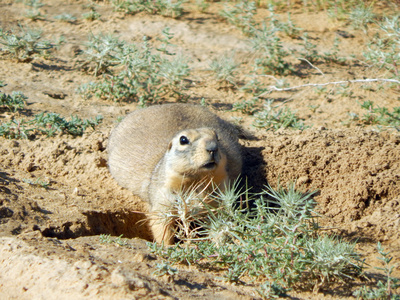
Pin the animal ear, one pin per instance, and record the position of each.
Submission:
(169, 146)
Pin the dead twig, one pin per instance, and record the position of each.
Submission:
(274, 88)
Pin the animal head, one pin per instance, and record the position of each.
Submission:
(196, 154)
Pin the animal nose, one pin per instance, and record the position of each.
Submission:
(212, 147)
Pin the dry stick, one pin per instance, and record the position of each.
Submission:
(329, 83)
(315, 67)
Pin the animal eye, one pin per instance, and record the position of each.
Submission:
(183, 140)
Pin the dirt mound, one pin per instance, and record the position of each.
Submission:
(356, 171)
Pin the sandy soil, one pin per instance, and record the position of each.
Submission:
(49, 244)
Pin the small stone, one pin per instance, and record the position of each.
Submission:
(303, 180)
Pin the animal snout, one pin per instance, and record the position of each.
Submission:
(212, 148)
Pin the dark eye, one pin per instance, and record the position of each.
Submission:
(183, 140)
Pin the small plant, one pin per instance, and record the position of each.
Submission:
(270, 54)
(102, 51)
(338, 10)
(169, 8)
(165, 40)
(38, 182)
(310, 54)
(189, 207)
(65, 17)
(290, 28)
(309, 51)
(107, 239)
(384, 289)
(361, 16)
(269, 51)
(320, 90)
(24, 45)
(202, 5)
(127, 6)
(241, 15)
(224, 69)
(275, 118)
(34, 12)
(384, 50)
(332, 56)
(255, 86)
(332, 256)
(166, 8)
(92, 15)
(379, 116)
(248, 107)
(269, 290)
(16, 129)
(313, 108)
(344, 90)
(165, 269)
(135, 71)
(52, 123)
(49, 124)
(14, 101)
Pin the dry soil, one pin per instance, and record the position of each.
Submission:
(49, 238)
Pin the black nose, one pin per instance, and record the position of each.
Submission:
(212, 147)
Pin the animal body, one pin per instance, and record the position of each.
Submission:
(160, 151)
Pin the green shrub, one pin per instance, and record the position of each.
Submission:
(275, 118)
(48, 124)
(274, 241)
(52, 123)
(14, 101)
(33, 12)
(380, 116)
(385, 289)
(241, 15)
(135, 72)
(166, 8)
(384, 50)
(224, 69)
(361, 15)
(65, 17)
(24, 45)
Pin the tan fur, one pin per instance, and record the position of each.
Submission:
(147, 157)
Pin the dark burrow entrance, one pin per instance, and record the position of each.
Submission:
(117, 223)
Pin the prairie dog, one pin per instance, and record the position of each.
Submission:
(159, 151)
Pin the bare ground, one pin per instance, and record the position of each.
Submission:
(49, 240)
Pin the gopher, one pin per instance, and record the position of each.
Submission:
(162, 150)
